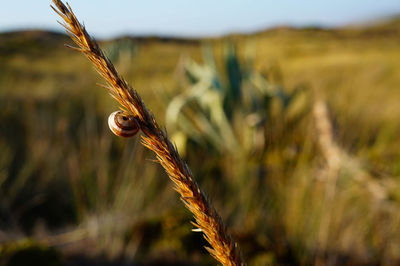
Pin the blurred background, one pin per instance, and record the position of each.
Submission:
(287, 113)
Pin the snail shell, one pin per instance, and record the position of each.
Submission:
(122, 124)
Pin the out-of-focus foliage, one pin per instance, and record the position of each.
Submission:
(295, 186)
(229, 112)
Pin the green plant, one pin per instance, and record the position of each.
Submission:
(231, 109)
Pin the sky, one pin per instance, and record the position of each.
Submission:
(190, 18)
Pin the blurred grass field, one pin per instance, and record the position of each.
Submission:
(291, 191)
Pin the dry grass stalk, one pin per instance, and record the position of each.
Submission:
(337, 160)
(332, 155)
(223, 248)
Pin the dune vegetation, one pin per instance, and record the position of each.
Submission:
(292, 133)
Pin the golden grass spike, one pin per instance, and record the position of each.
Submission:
(223, 248)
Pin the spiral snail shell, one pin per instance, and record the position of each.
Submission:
(122, 124)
